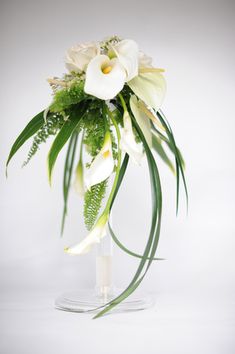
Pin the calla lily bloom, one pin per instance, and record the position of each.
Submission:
(144, 60)
(96, 234)
(127, 142)
(105, 77)
(79, 179)
(150, 87)
(142, 119)
(103, 164)
(127, 53)
(78, 57)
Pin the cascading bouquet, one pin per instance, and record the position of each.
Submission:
(108, 103)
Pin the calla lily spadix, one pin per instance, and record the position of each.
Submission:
(96, 234)
(105, 77)
(142, 119)
(79, 179)
(128, 142)
(103, 164)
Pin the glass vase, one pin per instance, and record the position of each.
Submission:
(91, 300)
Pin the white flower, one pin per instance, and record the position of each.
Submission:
(105, 77)
(103, 164)
(96, 234)
(150, 87)
(142, 119)
(79, 180)
(128, 143)
(127, 53)
(78, 57)
(144, 60)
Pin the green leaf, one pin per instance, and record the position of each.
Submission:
(169, 144)
(62, 137)
(161, 152)
(125, 249)
(31, 128)
(178, 159)
(116, 240)
(68, 168)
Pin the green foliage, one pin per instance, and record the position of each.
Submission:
(53, 123)
(66, 97)
(92, 203)
(70, 126)
(95, 126)
(31, 128)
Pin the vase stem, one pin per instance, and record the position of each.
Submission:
(104, 266)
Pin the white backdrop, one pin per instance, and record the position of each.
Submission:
(194, 287)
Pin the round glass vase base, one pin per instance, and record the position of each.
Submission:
(86, 301)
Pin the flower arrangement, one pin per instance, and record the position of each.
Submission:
(108, 103)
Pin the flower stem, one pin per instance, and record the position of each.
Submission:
(119, 158)
(122, 102)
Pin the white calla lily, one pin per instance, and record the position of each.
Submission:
(78, 57)
(96, 234)
(128, 143)
(105, 77)
(150, 87)
(103, 164)
(127, 53)
(79, 179)
(144, 60)
(142, 119)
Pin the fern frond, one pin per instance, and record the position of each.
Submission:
(92, 203)
(50, 127)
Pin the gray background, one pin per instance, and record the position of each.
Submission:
(194, 287)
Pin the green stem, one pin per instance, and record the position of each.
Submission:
(122, 102)
(119, 159)
(81, 146)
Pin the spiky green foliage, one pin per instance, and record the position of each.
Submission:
(92, 203)
(68, 96)
(53, 123)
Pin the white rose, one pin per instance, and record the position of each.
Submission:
(79, 56)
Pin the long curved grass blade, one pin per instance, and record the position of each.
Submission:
(169, 144)
(125, 249)
(153, 239)
(31, 128)
(114, 237)
(62, 137)
(68, 168)
(178, 157)
(161, 152)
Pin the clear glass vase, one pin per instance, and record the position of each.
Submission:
(88, 300)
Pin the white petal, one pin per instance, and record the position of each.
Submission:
(85, 245)
(128, 143)
(144, 60)
(127, 52)
(78, 57)
(103, 164)
(142, 120)
(149, 87)
(104, 86)
(96, 234)
(100, 170)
